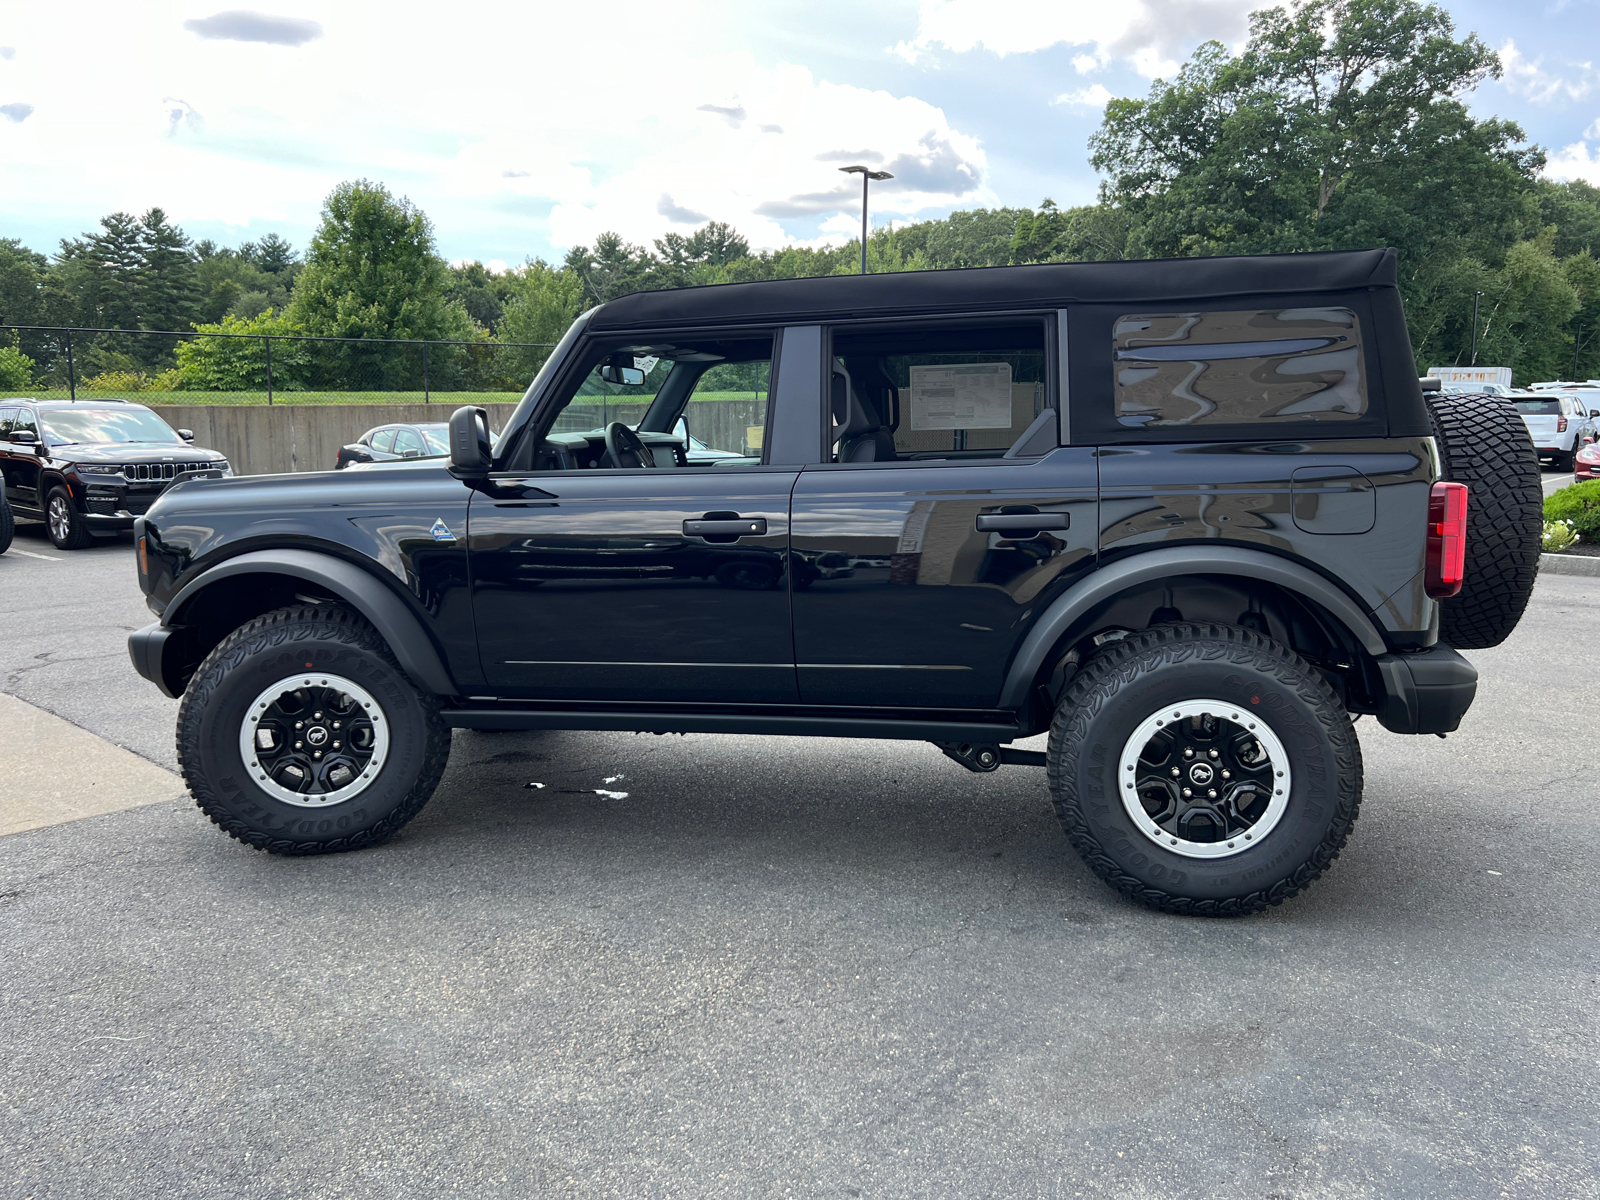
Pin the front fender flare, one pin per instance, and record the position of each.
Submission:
(1118, 576)
(398, 626)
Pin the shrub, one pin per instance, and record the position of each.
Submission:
(239, 364)
(1579, 506)
(123, 382)
(1558, 536)
(16, 369)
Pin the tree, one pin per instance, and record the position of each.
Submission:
(613, 268)
(271, 254)
(21, 275)
(164, 284)
(543, 302)
(1331, 129)
(372, 272)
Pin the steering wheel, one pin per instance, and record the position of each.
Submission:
(621, 441)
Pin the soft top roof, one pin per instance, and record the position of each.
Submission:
(999, 288)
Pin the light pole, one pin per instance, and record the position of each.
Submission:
(1475, 296)
(866, 173)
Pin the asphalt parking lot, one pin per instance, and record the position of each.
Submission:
(728, 966)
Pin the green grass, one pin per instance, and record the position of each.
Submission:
(443, 399)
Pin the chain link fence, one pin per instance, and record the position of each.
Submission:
(165, 367)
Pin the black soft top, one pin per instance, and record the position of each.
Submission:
(999, 288)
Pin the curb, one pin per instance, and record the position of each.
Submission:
(1568, 564)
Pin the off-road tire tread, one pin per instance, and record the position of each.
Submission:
(1484, 444)
(8, 524)
(324, 622)
(79, 537)
(1098, 682)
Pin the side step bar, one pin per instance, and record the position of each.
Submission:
(780, 724)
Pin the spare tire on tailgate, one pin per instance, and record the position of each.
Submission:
(1484, 444)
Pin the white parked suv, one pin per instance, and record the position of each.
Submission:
(1560, 422)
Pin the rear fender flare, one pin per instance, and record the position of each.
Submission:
(1106, 582)
(398, 626)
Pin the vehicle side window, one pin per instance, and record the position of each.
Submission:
(938, 392)
(8, 417)
(25, 422)
(727, 411)
(712, 385)
(383, 441)
(1235, 367)
(406, 441)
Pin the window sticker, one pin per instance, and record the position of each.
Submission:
(961, 396)
(1222, 368)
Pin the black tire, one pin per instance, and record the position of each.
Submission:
(270, 652)
(1484, 444)
(64, 523)
(8, 524)
(1267, 686)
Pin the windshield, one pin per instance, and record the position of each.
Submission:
(437, 437)
(1538, 408)
(106, 426)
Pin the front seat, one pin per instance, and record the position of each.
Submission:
(858, 427)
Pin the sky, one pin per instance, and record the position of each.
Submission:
(523, 129)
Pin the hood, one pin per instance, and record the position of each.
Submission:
(134, 452)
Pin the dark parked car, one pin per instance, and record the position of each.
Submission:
(1189, 517)
(391, 443)
(93, 466)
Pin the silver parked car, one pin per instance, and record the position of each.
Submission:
(1560, 422)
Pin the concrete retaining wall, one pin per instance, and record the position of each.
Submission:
(263, 440)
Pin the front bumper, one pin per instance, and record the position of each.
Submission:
(147, 648)
(1427, 691)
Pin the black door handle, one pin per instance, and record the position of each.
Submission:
(1013, 521)
(725, 527)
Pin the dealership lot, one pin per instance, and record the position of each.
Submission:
(702, 966)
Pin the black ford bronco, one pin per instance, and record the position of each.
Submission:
(1191, 517)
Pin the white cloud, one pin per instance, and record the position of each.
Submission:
(239, 25)
(1577, 161)
(546, 152)
(1530, 80)
(1152, 35)
(1094, 96)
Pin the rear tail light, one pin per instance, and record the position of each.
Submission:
(1561, 424)
(1447, 539)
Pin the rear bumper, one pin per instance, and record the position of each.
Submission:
(1428, 691)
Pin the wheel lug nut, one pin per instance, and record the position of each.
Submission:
(1188, 752)
(316, 716)
(336, 745)
(1213, 754)
(1212, 794)
(1227, 774)
(316, 754)
(297, 745)
(336, 724)
(1187, 793)
(299, 724)
(1175, 772)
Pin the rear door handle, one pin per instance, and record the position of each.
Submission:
(725, 527)
(1013, 522)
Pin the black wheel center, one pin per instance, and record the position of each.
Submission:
(1204, 779)
(314, 740)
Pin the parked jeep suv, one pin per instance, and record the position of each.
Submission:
(92, 466)
(1190, 517)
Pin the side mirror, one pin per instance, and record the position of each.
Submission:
(470, 448)
(25, 437)
(627, 376)
(186, 434)
(411, 454)
(681, 429)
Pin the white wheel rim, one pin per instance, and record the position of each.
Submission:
(318, 750)
(1199, 792)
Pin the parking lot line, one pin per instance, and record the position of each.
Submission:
(103, 778)
(33, 554)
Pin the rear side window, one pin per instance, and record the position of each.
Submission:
(383, 441)
(1238, 367)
